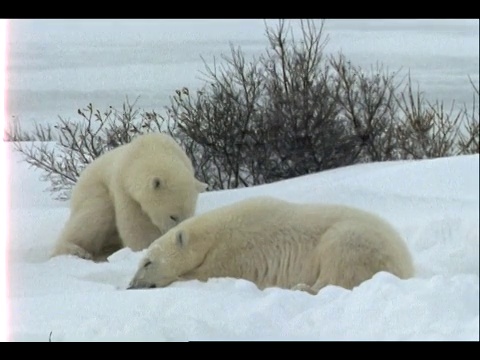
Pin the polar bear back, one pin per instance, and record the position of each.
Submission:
(276, 242)
(154, 148)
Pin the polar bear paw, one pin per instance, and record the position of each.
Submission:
(303, 287)
(75, 250)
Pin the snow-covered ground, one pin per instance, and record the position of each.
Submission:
(57, 66)
(433, 203)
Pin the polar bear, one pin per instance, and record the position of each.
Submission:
(275, 243)
(128, 197)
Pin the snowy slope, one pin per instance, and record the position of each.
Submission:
(433, 203)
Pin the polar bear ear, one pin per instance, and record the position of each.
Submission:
(156, 183)
(181, 239)
(201, 186)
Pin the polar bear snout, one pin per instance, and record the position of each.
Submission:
(140, 285)
(141, 279)
(149, 276)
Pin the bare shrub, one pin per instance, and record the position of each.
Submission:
(469, 136)
(268, 119)
(369, 109)
(428, 130)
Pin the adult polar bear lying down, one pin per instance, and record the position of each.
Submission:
(272, 242)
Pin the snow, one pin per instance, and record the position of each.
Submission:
(57, 66)
(433, 203)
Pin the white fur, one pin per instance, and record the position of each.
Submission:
(276, 243)
(127, 196)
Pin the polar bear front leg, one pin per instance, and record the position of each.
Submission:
(67, 248)
(134, 227)
(87, 230)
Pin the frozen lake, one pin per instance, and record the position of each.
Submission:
(58, 66)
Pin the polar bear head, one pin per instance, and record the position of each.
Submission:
(172, 257)
(167, 199)
(158, 176)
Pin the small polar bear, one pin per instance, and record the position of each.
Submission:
(275, 243)
(128, 197)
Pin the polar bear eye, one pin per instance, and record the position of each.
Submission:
(174, 218)
(181, 239)
(147, 264)
(156, 183)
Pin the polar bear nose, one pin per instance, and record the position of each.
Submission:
(134, 286)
